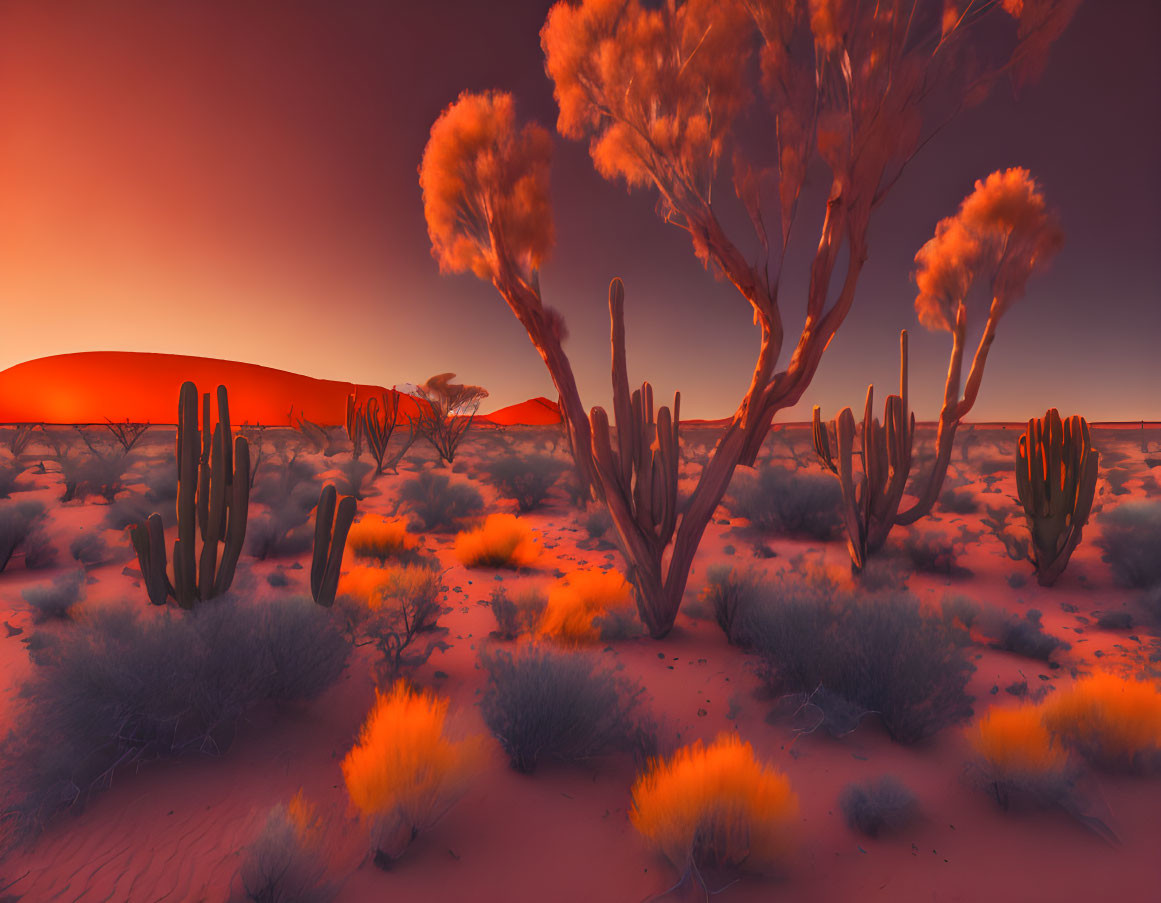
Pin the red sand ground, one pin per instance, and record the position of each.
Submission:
(175, 831)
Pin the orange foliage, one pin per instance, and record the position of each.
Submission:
(404, 773)
(381, 538)
(1113, 720)
(373, 586)
(1003, 231)
(1015, 743)
(578, 599)
(481, 172)
(717, 806)
(504, 541)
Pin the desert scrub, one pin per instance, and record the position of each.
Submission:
(777, 500)
(404, 771)
(931, 553)
(1023, 636)
(588, 607)
(19, 522)
(286, 862)
(124, 685)
(396, 609)
(1131, 540)
(382, 539)
(55, 601)
(518, 614)
(543, 703)
(437, 503)
(525, 479)
(1114, 722)
(718, 807)
(878, 807)
(1018, 758)
(847, 657)
(502, 541)
(730, 593)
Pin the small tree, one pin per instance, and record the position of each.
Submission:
(657, 91)
(445, 412)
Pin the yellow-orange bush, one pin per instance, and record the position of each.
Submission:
(1015, 744)
(1112, 720)
(381, 538)
(716, 805)
(504, 541)
(578, 599)
(373, 586)
(403, 772)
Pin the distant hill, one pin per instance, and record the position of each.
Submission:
(533, 412)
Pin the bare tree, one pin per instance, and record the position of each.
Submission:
(861, 86)
(445, 412)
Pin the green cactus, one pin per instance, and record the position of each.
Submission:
(331, 525)
(213, 498)
(1056, 476)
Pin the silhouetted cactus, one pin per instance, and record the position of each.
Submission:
(213, 499)
(331, 525)
(1056, 474)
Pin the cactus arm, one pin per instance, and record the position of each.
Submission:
(149, 543)
(187, 489)
(215, 513)
(330, 538)
(323, 519)
(237, 509)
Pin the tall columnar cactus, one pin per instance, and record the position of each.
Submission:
(213, 498)
(331, 525)
(871, 501)
(1056, 475)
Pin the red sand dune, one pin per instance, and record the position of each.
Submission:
(92, 386)
(533, 412)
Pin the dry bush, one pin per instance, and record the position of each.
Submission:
(730, 592)
(382, 538)
(394, 609)
(1112, 721)
(526, 480)
(516, 615)
(1022, 636)
(587, 607)
(54, 601)
(778, 500)
(878, 807)
(19, 527)
(286, 862)
(544, 703)
(716, 806)
(1018, 758)
(404, 772)
(503, 541)
(89, 549)
(1130, 537)
(437, 503)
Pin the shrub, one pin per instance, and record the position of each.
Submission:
(884, 654)
(778, 500)
(1130, 537)
(716, 806)
(284, 530)
(878, 807)
(731, 593)
(10, 471)
(930, 553)
(404, 773)
(17, 523)
(126, 685)
(1025, 636)
(957, 502)
(503, 541)
(588, 606)
(54, 602)
(526, 480)
(438, 503)
(515, 616)
(543, 703)
(89, 549)
(160, 479)
(1114, 722)
(382, 538)
(39, 551)
(1018, 758)
(596, 521)
(286, 862)
(394, 608)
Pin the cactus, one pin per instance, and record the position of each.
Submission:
(376, 422)
(331, 525)
(870, 503)
(213, 498)
(1056, 475)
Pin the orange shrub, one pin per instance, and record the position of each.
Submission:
(381, 538)
(580, 600)
(504, 541)
(716, 806)
(372, 587)
(1112, 720)
(1014, 743)
(404, 773)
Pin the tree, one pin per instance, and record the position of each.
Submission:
(445, 412)
(659, 94)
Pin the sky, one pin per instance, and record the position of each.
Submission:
(238, 179)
